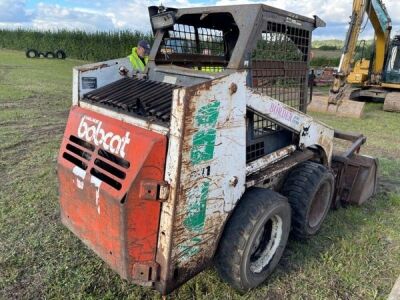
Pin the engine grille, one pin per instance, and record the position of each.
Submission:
(137, 96)
(107, 167)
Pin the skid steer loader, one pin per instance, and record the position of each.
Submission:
(208, 157)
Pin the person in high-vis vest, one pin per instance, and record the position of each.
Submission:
(210, 69)
(139, 56)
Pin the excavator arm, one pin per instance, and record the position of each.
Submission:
(380, 20)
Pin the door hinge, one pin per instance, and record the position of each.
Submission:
(154, 190)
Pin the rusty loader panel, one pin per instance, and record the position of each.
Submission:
(206, 162)
(109, 174)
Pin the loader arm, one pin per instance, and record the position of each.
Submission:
(377, 13)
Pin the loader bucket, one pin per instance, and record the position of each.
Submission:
(356, 175)
(346, 108)
(358, 178)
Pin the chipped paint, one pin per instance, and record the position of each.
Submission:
(269, 159)
(97, 183)
(80, 173)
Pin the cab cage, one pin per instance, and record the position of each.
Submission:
(200, 41)
(272, 44)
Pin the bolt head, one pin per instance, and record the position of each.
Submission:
(233, 181)
(233, 88)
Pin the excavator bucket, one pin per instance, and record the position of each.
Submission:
(345, 108)
(392, 102)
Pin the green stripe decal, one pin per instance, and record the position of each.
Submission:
(204, 139)
(196, 216)
(203, 144)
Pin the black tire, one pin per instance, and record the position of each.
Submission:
(254, 239)
(309, 188)
(31, 53)
(41, 55)
(60, 54)
(50, 54)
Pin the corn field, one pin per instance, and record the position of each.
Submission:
(96, 46)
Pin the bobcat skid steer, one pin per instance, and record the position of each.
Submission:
(208, 157)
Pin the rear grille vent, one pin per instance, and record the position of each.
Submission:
(103, 165)
(75, 161)
(115, 159)
(80, 152)
(106, 166)
(140, 97)
(107, 179)
(82, 143)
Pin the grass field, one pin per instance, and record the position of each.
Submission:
(355, 256)
(327, 53)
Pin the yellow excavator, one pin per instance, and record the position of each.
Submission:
(377, 78)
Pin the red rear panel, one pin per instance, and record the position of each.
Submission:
(103, 165)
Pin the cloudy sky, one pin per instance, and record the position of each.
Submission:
(92, 15)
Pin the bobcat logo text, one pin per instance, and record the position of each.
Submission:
(90, 129)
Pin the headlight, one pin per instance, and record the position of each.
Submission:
(163, 20)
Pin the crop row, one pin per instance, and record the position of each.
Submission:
(92, 46)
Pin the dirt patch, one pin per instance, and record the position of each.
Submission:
(389, 184)
(8, 104)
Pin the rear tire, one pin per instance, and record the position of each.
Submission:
(41, 55)
(309, 188)
(31, 53)
(60, 54)
(254, 239)
(49, 54)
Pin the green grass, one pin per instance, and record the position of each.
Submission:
(355, 256)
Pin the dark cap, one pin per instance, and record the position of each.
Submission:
(145, 45)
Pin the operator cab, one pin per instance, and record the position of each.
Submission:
(392, 72)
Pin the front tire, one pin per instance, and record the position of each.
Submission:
(309, 188)
(254, 239)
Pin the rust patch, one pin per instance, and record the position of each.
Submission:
(97, 67)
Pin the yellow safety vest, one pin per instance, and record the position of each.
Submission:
(210, 69)
(136, 61)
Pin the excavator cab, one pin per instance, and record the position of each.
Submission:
(392, 69)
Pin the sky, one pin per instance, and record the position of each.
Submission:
(103, 15)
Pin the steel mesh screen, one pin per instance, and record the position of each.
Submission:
(279, 64)
(254, 151)
(188, 39)
(194, 47)
(262, 126)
